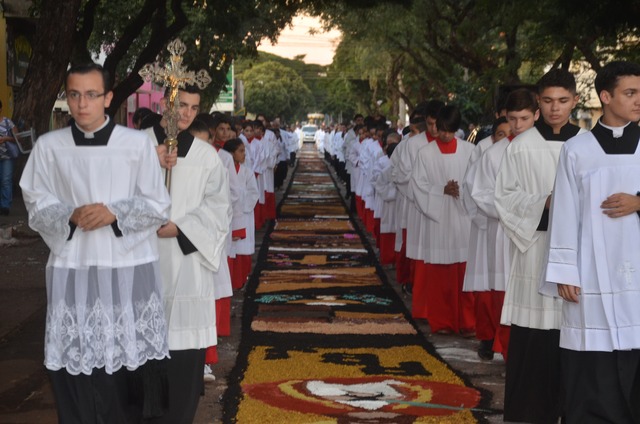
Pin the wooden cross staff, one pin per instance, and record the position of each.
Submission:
(174, 76)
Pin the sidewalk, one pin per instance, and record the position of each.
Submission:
(25, 396)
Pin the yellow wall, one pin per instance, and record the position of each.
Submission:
(6, 94)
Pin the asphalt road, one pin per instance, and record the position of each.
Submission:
(25, 394)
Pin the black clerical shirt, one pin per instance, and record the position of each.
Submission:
(566, 132)
(185, 141)
(100, 138)
(626, 144)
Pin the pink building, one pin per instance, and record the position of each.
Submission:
(148, 95)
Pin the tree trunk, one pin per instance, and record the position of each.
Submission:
(51, 52)
(512, 60)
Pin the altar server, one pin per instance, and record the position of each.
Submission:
(435, 183)
(522, 196)
(594, 256)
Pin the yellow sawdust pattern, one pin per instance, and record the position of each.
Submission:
(308, 365)
(320, 326)
(365, 315)
(314, 260)
(332, 225)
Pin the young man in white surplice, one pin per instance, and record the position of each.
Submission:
(94, 192)
(594, 254)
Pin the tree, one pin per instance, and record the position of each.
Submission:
(46, 70)
(312, 75)
(461, 50)
(276, 90)
(215, 32)
(134, 32)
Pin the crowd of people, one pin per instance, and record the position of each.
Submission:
(526, 239)
(140, 275)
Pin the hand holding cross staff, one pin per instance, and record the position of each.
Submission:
(173, 76)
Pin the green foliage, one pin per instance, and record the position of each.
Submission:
(462, 50)
(134, 32)
(312, 75)
(276, 90)
(391, 49)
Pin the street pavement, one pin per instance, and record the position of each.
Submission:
(25, 394)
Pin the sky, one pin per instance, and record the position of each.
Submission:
(296, 40)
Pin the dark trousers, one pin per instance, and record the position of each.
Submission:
(602, 387)
(534, 392)
(99, 398)
(342, 173)
(186, 386)
(280, 173)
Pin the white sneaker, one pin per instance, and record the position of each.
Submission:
(208, 374)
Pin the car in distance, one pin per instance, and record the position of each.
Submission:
(308, 133)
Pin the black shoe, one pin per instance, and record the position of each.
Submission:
(407, 289)
(485, 350)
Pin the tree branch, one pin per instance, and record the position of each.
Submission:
(160, 36)
(589, 54)
(80, 53)
(564, 60)
(130, 34)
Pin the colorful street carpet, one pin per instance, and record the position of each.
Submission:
(325, 339)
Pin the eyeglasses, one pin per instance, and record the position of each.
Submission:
(90, 95)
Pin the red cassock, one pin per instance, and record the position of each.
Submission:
(501, 342)
(386, 246)
(403, 264)
(258, 215)
(241, 270)
(360, 207)
(438, 297)
(488, 311)
(269, 211)
(369, 220)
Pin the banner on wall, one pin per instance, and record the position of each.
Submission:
(224, 102)
(19, 50)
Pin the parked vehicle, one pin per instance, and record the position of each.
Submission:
(308, 132)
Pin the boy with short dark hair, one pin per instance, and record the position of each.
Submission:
(192, 252)
(94, 192)
(437, 171)
(521, 114)
(594, 254)
(410, 238)
(533, 390)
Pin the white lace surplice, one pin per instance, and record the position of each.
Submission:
(104, 307)
(103, 317)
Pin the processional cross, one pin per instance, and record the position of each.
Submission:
(174, 76)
